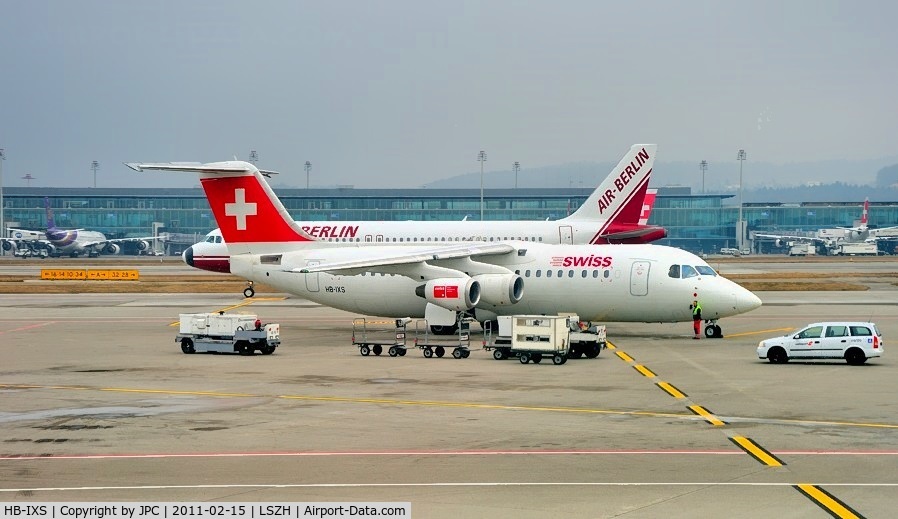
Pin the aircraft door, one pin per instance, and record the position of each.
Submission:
(368, 238)
(565, 234)
(312, 284)
(639, 278)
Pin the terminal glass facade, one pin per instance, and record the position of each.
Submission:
(700, 223)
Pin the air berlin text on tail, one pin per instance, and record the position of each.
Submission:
(622, 179)
(246, 213)
(223, 510)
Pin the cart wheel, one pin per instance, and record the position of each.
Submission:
(457, 353)
(466, 353)
(499, 354)
(267, 350)
(593, 351)
(402, 352)
(377, 349)
(243, 348)
(439, 351)
(187, 346)
(524, 358)
(537, 358)
(559, 359)
(393, 351)
(428, 352)
(364, 350)
(248, 292)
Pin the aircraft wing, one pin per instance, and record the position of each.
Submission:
(793, 238)
(100, 243)
(416, 265)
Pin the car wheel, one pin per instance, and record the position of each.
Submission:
(855, 357)
(777, 356)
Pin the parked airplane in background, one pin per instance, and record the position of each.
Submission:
(830, 238)
(616, 212)
(59, 242)
(633, 283)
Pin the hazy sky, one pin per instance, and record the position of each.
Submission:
(401, 93)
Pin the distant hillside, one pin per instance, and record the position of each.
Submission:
(835, 177)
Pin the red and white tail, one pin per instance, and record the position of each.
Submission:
(864, 215)
(245, 207)
(619, 198)
(647, 204)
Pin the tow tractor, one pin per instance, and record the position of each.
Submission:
(372, 336)
(531, 337)
(220, 333)
(433, 344)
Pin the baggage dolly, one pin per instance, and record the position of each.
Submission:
(433, 346)
(373, 339)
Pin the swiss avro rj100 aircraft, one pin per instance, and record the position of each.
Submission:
(634, 283)
(616, 212)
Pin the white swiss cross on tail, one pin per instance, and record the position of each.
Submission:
(240, 208)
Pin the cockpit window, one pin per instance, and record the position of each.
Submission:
(218, 239)
(674, 271)
(689, 272)
(705, 270)
(210, 239)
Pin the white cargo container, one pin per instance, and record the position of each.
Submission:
(858, 249)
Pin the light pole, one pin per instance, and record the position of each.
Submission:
(482, 158)
(703, 165)
(253, 157)
(95, 166)
(741, 158)
(517, 167)
(2, 207)
(308, 168)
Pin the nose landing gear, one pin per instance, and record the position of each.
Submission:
(712, 330)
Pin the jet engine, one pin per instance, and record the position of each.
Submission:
(112, 248)
(143, 245)
(779, 243)
(8, 245)
(459, 294)
(51, 249)
(500, 289)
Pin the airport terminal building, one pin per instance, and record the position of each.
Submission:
(700, 223)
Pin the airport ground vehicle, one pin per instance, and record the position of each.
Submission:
(853, 341)
(371, 336)
(436, 344)
(227, 333)
(531, 337)
(802, 249)
(857, 249)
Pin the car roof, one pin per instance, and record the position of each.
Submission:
(842, 323)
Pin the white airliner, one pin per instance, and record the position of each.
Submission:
(830, 237)
(70, 242)
(633, 283)
(616, 212)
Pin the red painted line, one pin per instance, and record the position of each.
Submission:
(38, 325)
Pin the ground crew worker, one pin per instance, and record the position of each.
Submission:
(696, 319)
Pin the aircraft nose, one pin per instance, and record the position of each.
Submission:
(187, 256)
(745, 301)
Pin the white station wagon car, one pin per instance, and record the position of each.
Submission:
(853, 341)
